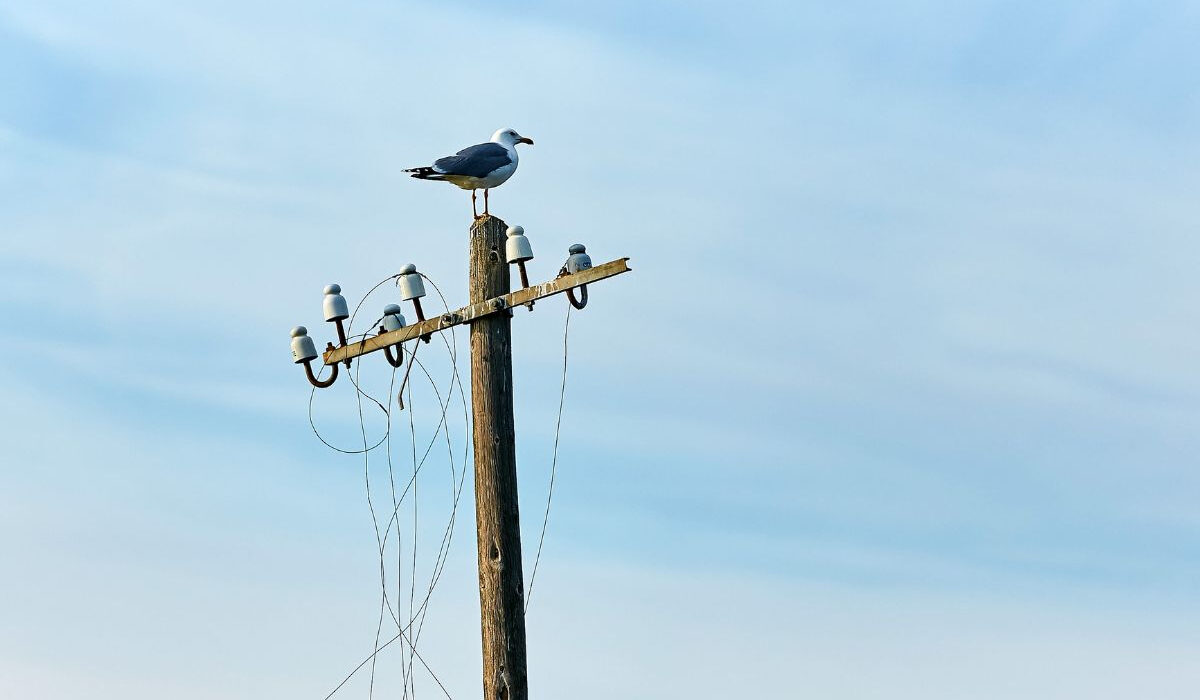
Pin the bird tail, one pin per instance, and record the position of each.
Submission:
(424, 173)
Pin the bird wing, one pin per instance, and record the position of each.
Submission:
(476, 161)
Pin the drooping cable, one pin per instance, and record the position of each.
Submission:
(416, 611)
(562, 393)
(364, 662)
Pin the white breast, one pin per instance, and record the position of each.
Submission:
(499, 175)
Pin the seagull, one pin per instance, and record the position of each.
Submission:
(479, 167)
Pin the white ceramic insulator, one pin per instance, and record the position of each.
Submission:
(579, 259)
(303, 347)
(411, 286)
(517, 247)
(393, 320)
(335, 304)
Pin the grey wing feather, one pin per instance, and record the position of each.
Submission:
(476, 161)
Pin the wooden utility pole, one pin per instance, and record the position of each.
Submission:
(501, 582)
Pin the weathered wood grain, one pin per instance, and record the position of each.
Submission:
(501, 582)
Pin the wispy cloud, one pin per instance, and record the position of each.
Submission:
(912, 316)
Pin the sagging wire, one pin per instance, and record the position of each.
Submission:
(456, 491)
(364, 662)
(383, 602)
(381, 541)
(448, 534)
(382, 546)
(393, 519)
(444, 547)
(415, 611)
(562, 393)
(443, 551)
(312, 423)
(406, 669)
(371, 507)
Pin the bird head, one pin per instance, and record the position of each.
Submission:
(509, 137)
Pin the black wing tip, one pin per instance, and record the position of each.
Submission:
(422, 173)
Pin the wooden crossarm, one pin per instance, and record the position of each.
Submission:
(469, 313)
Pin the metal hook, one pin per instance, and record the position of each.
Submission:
(312, 378)
(577, 262)
(583, 298)
(396, 362)
(387, 352)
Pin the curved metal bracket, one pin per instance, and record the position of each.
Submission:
(582, 300)
(312, 378)
(387, 352)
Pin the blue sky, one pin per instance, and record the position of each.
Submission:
(899, 401)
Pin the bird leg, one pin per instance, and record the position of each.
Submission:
(485, 208)
(473, 209)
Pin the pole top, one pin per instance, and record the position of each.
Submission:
(299, 331)
(408, 269)
(333, 289)
(577, 248)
